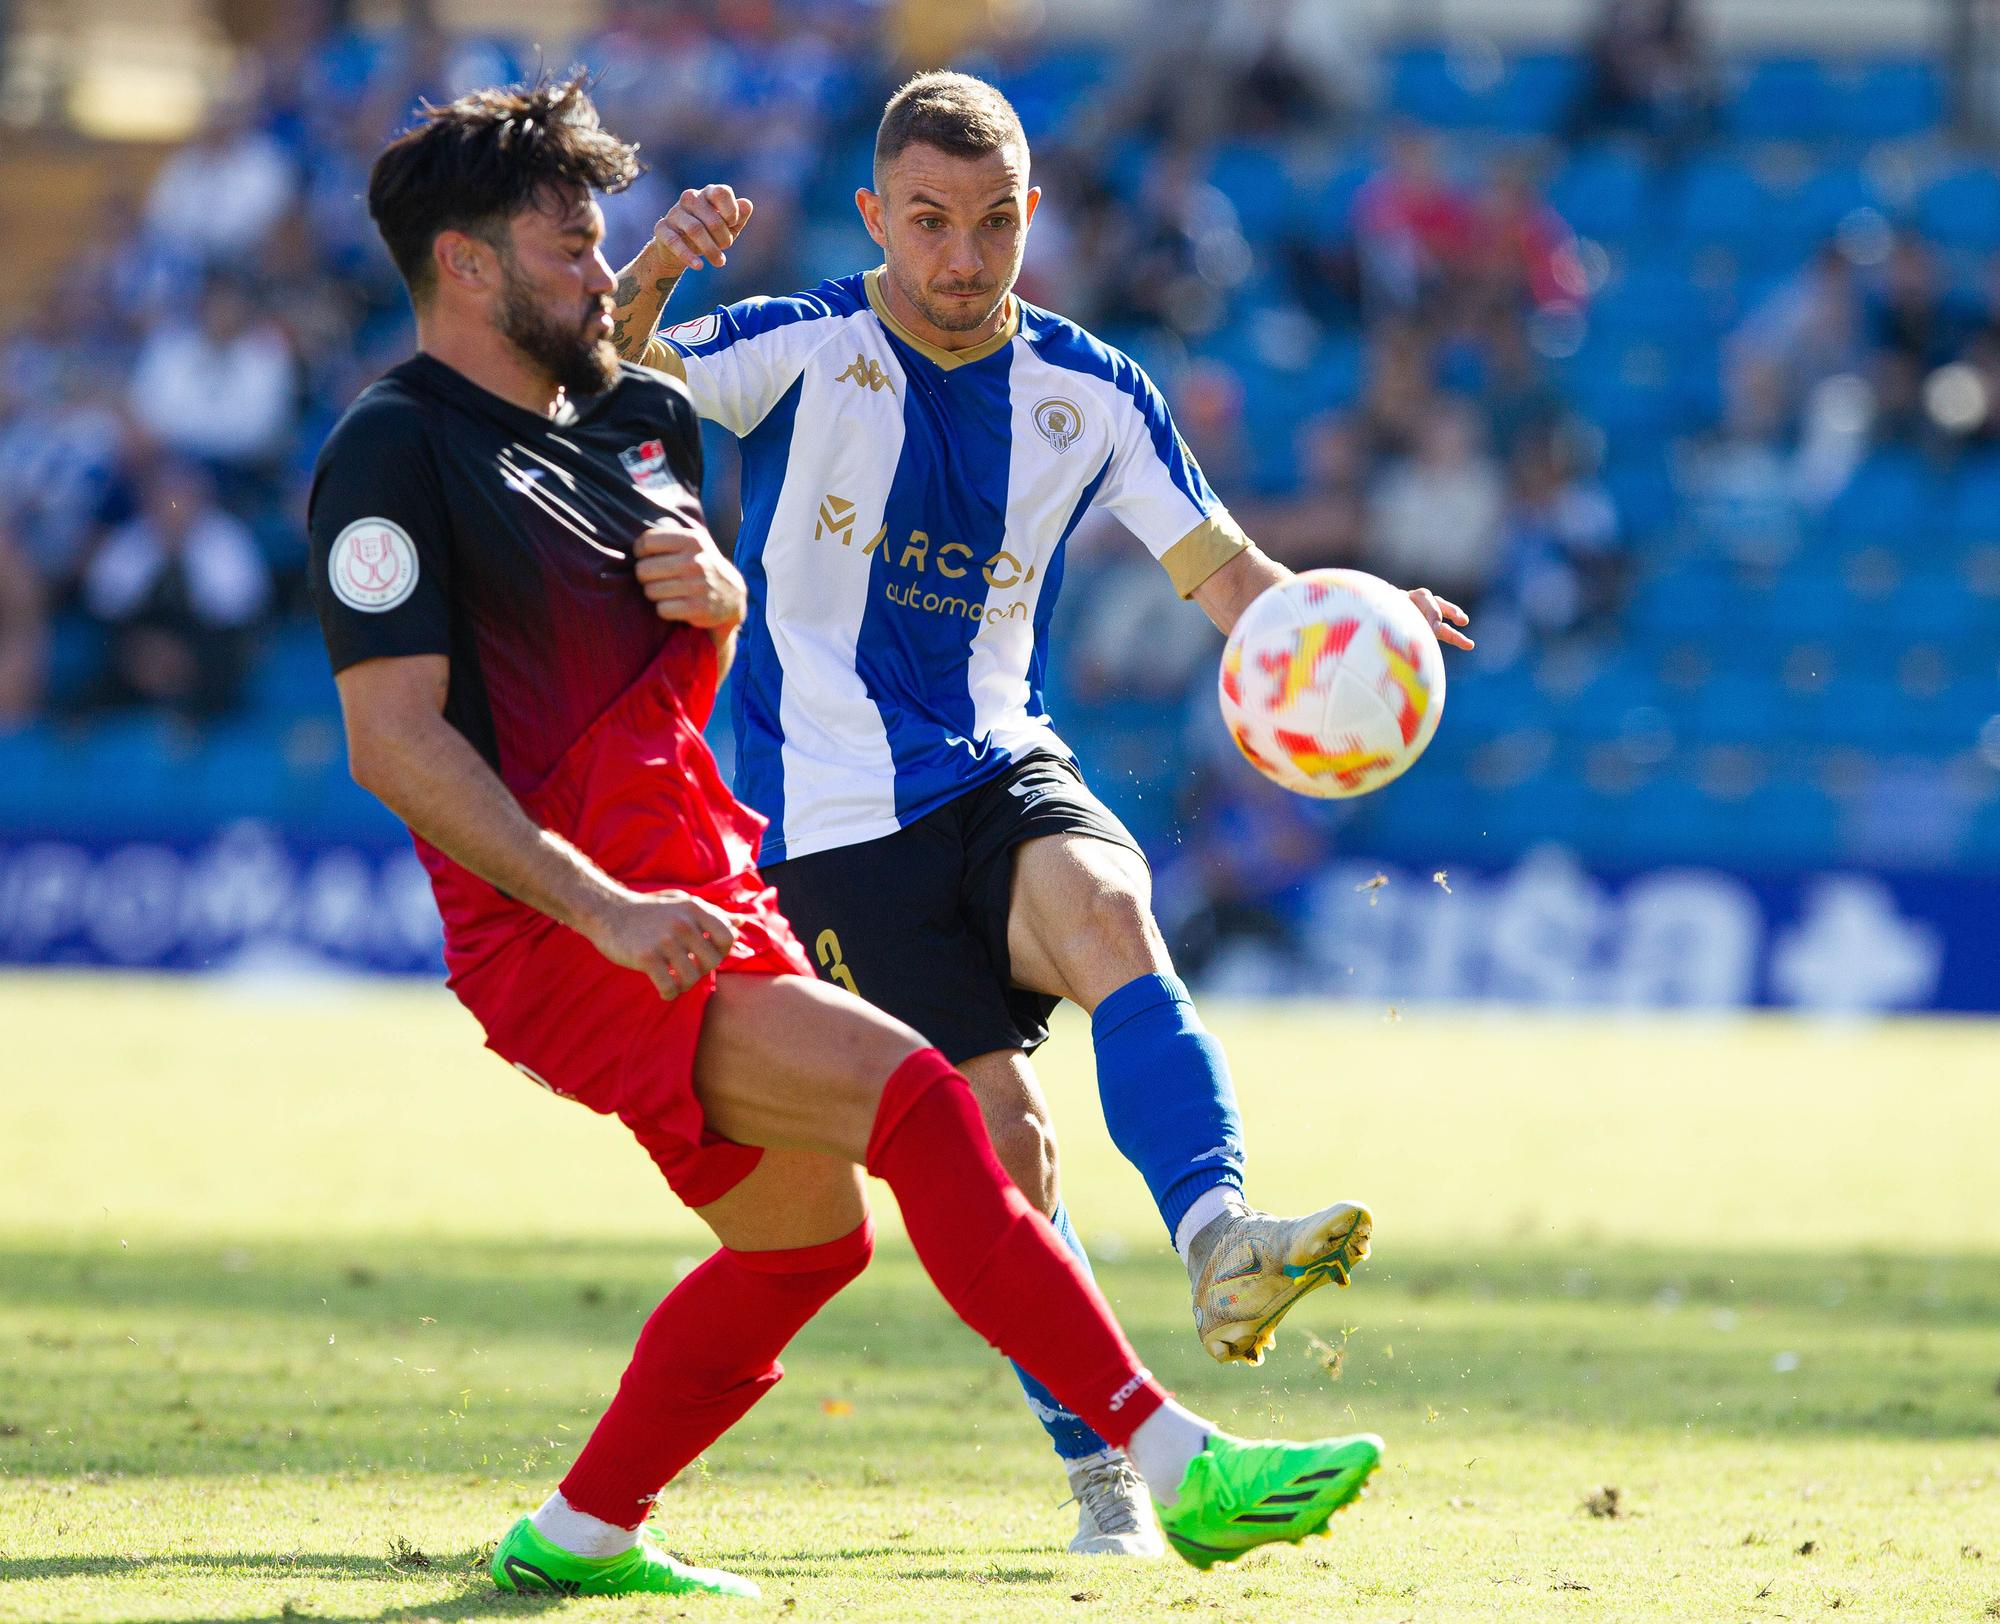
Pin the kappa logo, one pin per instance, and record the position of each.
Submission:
(372, 566)
(865, 374)
(1058, 422)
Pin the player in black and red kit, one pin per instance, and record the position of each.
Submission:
(485, 523)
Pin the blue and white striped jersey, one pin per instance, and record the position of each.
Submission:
(905, 510)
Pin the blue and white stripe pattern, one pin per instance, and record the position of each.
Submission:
(905, 513)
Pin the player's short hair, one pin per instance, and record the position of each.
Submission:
(953, 112)
(474, 163)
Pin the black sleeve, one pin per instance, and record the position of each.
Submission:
(381, 547)
(686, 440)
(662, 406)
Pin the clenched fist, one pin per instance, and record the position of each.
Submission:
(701, 226)
(686, 578)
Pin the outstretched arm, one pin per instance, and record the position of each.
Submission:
(1240, 582)
(696, 230)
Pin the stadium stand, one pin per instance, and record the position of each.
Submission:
(1728, 492)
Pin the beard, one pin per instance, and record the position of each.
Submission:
(575, 355)
(953, 315)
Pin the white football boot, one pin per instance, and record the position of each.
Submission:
(1247, 1268)
(1114, 1513)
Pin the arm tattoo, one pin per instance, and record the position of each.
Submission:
(636, 306)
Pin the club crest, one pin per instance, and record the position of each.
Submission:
(647, 464)
(1058, 422)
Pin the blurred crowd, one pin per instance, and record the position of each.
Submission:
(1371, 379)
(160, 411)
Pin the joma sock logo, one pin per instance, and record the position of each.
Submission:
(1138, 1381)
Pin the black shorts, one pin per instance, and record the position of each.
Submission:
(916, 922)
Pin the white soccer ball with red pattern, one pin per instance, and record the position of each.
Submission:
(1332, 683)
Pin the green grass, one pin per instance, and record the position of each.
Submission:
(303, 1298)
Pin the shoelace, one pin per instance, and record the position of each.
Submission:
(1108, 1491)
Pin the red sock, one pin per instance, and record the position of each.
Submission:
(708, 1353)
(994, 1258)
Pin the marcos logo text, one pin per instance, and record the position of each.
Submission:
(919, 552)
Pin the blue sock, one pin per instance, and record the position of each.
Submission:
(1168, 1100)
(1073, 1440)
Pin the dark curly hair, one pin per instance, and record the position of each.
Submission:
(474, 163)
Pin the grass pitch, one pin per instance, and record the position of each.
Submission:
(303, 1298)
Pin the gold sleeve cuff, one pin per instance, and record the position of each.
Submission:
(1203, 551)
(663, 357)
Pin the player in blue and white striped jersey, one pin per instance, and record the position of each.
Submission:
(918, 446)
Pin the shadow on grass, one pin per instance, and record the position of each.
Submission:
(475, 1594)
(363, 1356)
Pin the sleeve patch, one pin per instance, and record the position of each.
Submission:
(372, 566)
(702, 330)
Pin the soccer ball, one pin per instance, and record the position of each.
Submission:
(1332, 683)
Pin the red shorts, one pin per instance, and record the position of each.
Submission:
(640, 795)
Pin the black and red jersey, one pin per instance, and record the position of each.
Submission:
(446, 520)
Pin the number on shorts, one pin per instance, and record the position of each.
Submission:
(828, 950)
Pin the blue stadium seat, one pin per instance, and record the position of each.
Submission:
(1972, 514)
(1046, 90)
(1930, 606)
(1471, 90)
(1894, 489)
(1484, 701)
(1804, 99)
(1255, 180)
(1536, 90)
(1735, 708)
(1640, 485)
(1723, 201)
(1678, 603)
(1652, 298)
(1961, 209)
(1424, 85)
(1864, 711)
(1610, 705)
(1784, 99)
(1827, 197)
(1605, 191)
(1889, 100)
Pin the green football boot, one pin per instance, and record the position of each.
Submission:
(526, 1561)
(1237, 1494)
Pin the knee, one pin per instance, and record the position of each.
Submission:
(1117, 921)
(819, 1270)
(1025, 1142)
